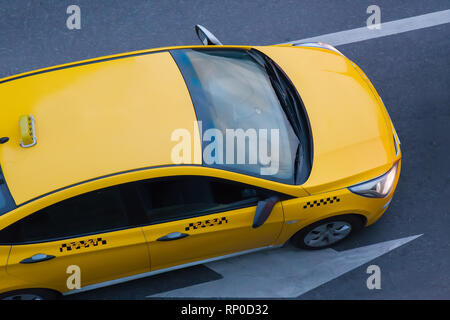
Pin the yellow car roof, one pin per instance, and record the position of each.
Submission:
(92, 119)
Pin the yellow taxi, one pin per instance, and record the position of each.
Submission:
(115, 167)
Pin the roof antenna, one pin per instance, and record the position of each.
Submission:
(4, 140)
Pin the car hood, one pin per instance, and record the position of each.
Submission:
(351, 131)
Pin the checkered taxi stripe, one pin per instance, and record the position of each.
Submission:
(318, 203)
(76, 245)
(206, 223)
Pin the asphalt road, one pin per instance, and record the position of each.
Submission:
(411, 72)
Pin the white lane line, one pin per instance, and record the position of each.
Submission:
(281, 273)
(387, 29)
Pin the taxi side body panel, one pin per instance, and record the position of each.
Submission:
(203, 243)
(211, 236)
(100, 257)
(111, 261)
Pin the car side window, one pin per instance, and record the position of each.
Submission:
(181, 197)
(93, 212)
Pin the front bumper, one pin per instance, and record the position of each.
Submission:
(301, 212)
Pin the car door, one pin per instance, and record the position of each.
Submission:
(94, 232)
(194, 218)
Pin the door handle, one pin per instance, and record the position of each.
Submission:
(173, 236)
(37, 258)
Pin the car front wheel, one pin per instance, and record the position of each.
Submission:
(327, 232)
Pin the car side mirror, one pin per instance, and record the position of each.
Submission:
(263, 211)
(206, 36)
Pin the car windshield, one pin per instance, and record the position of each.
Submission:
(243, 125)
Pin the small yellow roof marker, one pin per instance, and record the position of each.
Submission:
(27, 131)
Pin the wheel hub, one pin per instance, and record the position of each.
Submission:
(328, 233)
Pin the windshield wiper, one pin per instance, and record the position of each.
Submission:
(292, 106)
(296, 161)
(287, 100)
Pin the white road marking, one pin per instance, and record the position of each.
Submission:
(387, 29)
(281, 273)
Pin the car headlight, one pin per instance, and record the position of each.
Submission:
(377, 188)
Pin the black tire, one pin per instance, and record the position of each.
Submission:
(30, 294)
(298, 239)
